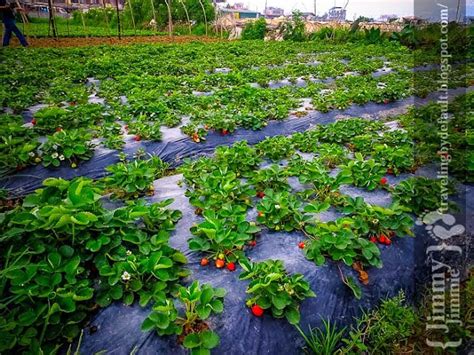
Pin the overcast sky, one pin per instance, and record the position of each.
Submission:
(355, 8)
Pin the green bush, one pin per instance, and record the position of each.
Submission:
(255, 29)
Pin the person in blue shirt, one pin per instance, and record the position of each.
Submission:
(8, 18)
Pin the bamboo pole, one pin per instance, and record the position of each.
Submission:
(133, 18)
(106, 17)
(118, 18)
(187, 15)
(52, 22)
(84, 24)
(154, 15)
(205, 16)
(170, 18)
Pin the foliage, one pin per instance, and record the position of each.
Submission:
(240, 158)
(420, 194)
(71, 146)
(323, 341)
(275, 148)
(18, 144)
(294, 29)
(53, 118)
(339, 241)
(63, 252)
(364, 173)
(381, 330)
(280, 211)
(224, 232)
(274, 289)
(255, 29)
(135, 178)
(199, 302)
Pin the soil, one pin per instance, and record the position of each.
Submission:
(9, 204)
(197, 327)
(97, 41)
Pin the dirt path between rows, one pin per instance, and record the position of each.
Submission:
(96, 41)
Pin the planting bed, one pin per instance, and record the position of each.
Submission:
(199, 196)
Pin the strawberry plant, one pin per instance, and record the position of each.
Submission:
(131, 179)
(332, 154)
(395, 159)
(198, 134)
(144, 130)
(420, 194)
(63, 254)
(306, 142)
(112, 133)
(53, 118)
(273, 289)
(280, 211)
(274, 177)
(337, 240)
(240, 158)
(364, 173)
(17, 152)
(199, 302)
(211, 190)
(343, 131)
(373, 220)
(70, 146)
(223, 234)
(315, 173)
(275, 148)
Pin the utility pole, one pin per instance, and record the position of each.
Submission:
(315, 14)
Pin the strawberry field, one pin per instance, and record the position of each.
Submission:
(233, 197)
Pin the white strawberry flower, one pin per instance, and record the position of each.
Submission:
(126, 276)
(277, 207)
(31, 154)
(54, 155)
(128, 253)
(61, 157)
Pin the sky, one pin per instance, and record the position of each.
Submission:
(355, 8)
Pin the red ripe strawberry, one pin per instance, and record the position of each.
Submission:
(383, 180)
(373, 239)
(260, 214)
(230, 266)
(257, 311)
(33, 121)
(137, 138)
(59, 129)
(204, 261)
(388, 241)
(301, 245)
(260, 194)
(196, 137)
(383, 239)
(220, 263)
(253, 243)
(225, 132)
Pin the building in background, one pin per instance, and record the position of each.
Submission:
(238, 11)
(388, 18)
(273, 12)
(336, 13)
